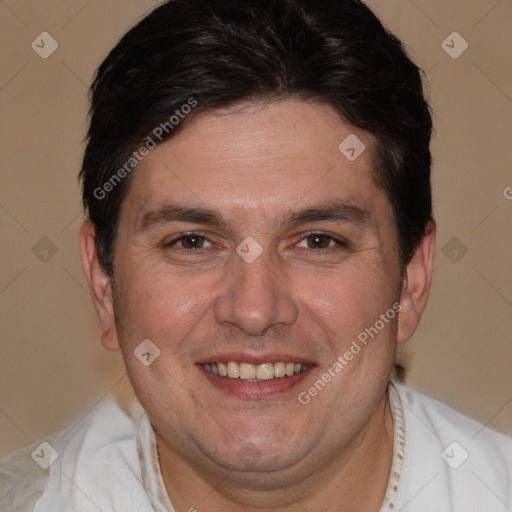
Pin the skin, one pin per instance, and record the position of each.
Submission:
(254, 165)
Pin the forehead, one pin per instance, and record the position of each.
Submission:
(262, 159)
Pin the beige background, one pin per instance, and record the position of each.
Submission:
(52, 366)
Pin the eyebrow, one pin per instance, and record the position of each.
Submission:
(176, 213)
(330, 211)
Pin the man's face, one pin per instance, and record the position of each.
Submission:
(327, 271)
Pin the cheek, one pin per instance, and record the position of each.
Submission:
(348, 300)
(154, 305)
(162, 306)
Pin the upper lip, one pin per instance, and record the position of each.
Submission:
(254, 358)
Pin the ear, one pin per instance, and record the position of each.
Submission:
(99, 285)
(416, 285)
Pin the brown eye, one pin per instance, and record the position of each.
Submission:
(192, 241)
(318, 241)
(321, 241)
(189, 241)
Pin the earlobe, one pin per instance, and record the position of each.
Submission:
(416, 285)
(99, 285)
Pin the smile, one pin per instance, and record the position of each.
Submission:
(255, 372)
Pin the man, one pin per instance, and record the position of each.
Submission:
(260, 239)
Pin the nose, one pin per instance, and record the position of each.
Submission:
(254, 297)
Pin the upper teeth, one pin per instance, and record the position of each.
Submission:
(246, 371)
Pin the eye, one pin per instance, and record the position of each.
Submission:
(190, 241)
(320, 241)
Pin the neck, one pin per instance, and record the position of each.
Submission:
(356, 478)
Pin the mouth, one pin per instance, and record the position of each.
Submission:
(255, 372)
(256, 379)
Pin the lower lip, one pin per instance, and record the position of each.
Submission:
(256, 390)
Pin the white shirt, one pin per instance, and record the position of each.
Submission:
(442, 461)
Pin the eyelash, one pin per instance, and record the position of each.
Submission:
(186, 235)
(339, 242)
